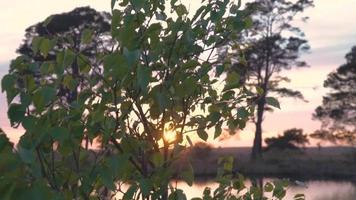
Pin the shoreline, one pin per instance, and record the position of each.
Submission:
(327, 163)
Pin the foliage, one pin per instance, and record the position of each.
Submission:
(201, 150)
(84, 32)
(291, 139)
(232, 187)
(337, 112)
(155, 78)
(271, 45)
(81, 29)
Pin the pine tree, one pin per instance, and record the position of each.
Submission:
(338, 110)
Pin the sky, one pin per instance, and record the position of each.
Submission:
(331, 32)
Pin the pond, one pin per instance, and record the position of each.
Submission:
(313, 190)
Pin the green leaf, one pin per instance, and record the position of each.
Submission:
(16, 113)
(145, 186)
(83, 64)
(46, 68)
(259, 90)
(232, 81)
(178, 194)
(161, 99)
(157, 159)
(138, 3)
(69, 82)
(188, 175)
(8, 82)
(29, 123)
(113, 2)
(106, 178)
(242, 112)
(187, 88)
(218, 131)
(65, 58)
(59, 133)
(273, 102)
(143, 76)
(268, 187)
(44, 96)
(248, 22)
(131, 56)
(26, 155)
(36, 43)
(130, 192)
(116, 18)
(202, 134)
(191, 64)
(45, 47)
(219, 70)
(48, 93)
(173, 2)
(116, 65)
(181, 10)
(87, 36)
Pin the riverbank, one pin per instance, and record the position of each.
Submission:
(328, 163)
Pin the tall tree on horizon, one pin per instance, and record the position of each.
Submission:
(272, 44)
(338, 110)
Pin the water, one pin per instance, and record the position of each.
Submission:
(313, 190)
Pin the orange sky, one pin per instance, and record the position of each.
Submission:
(331, 32)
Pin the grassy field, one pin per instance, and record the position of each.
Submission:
(312, 163)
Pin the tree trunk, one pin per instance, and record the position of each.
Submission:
(257, 143)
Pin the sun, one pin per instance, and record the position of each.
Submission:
(169, 134)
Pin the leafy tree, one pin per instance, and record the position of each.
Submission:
(82, 30)
(338, 110)
(291, 139)
(156, 80)
(271, 45)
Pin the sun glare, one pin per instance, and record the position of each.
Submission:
(169, 134)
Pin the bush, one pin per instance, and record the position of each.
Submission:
(291, 139)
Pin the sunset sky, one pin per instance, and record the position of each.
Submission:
(331, 31)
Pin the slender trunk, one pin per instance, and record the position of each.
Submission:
(257, 143)
(165, 165)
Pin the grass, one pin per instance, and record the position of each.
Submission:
(312, 163)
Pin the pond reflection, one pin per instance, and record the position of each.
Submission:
(313, 190)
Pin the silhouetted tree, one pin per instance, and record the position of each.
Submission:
(71, 27)
(291, 139)
(338, 110)
(83, 31)
(272, 44)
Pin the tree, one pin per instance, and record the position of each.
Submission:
(271, 45)
(155, 79)
(82, 30)
(291, 139)
(338, 110)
